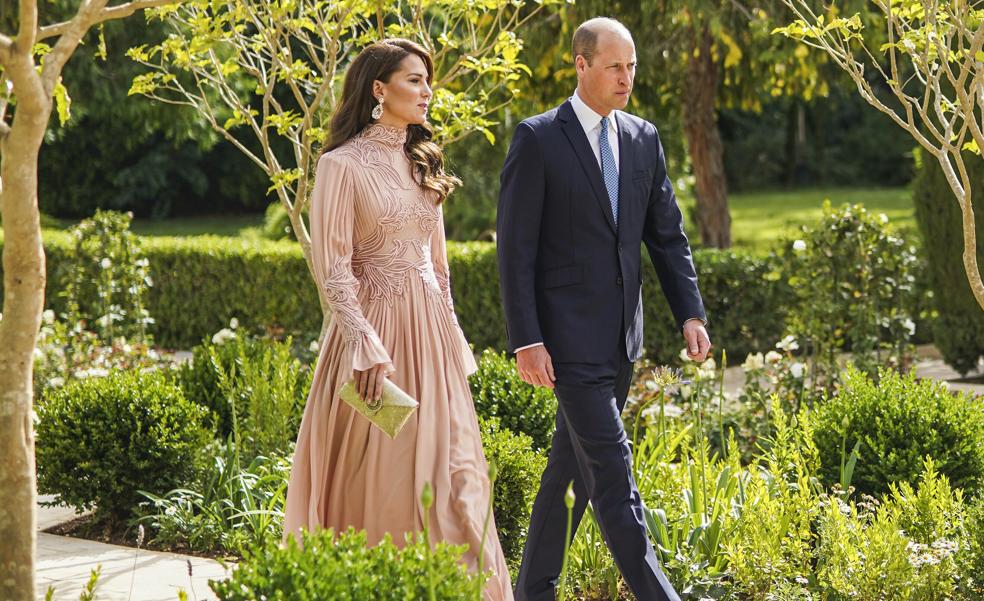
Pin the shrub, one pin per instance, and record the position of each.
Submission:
(260, 379)
(959, 328)
(899, 422)
(519, 468)
(500, 393)
(972, 562)
(106, 278)
(267, 285)
(853, 281)
(908, 548)
(344, 568)
(101, 440)
(276, 223)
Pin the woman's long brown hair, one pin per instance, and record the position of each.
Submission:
(354, 112)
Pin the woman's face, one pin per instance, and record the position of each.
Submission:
(406, 95)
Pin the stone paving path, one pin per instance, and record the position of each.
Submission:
(138, 575)
(127, 574)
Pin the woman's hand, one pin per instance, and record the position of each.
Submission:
(369, 383)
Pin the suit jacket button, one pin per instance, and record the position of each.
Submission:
(618, 280)
(619, 247)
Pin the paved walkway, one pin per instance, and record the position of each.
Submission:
(127, 574)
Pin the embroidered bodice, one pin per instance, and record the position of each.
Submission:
(375, 231)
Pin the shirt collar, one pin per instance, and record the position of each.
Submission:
(588, 117)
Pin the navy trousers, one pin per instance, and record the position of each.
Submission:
(591, 448)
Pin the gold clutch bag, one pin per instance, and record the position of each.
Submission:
(389, 413)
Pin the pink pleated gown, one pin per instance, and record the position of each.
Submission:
(378, 248)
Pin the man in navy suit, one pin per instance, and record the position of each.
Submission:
(584, 186)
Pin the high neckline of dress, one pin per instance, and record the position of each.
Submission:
(387, 135)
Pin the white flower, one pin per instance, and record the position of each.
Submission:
(787, 344)
(38, 353)
(686, 391)
(106, 263)
(797, 370)
(669, 410)
(143, 263)
(753, 361)
(709, 364)
(233, 323)
(773, 357)
(683, 355)
(223, 336)
(56, 382)
(799, 246)
(92, 372)
(314, 347)
(48, 316)
(910, 326)
(882, 217)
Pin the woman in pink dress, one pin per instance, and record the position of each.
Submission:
(378, 247)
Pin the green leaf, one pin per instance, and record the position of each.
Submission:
(101, 48)
(63, 102)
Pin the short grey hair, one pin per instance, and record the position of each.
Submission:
(585, 42)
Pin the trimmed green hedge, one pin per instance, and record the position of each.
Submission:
(201, 282)
(959, 328)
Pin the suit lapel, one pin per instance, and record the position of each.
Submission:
(582, 148)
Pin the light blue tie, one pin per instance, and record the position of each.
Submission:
(608, 169)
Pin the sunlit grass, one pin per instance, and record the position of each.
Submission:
(760, 219)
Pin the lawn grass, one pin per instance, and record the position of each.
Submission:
(760, 219)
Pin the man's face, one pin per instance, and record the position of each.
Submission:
(606, 83)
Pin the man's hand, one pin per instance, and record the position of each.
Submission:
(369, 383)
(698, 343)
(535, 366)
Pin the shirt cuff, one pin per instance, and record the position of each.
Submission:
(703, 322)
(528, 346)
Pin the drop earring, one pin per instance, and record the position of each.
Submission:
(377, 111)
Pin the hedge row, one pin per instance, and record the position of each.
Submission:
(202, 282)
(959, 331)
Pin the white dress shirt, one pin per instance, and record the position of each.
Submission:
(591, 122)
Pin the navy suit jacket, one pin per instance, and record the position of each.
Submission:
(569, 277)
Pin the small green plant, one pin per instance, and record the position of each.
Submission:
(898, 422)
(500, 393)
(258, 380)
(909, 547)
(100, 440)
(230, 508)
(345, 568)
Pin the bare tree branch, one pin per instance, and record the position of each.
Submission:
(27, 25)
(107, 14)
(6, 45)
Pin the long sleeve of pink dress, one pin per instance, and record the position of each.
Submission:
(378, 249)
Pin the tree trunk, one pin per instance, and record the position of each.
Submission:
(23, 300)
(704, 141)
